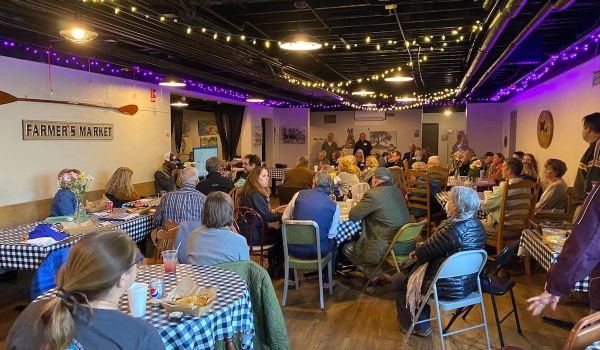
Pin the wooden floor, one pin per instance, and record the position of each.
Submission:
(353, 320)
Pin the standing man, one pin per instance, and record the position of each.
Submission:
(166, 176)
(329, 146)
(363, 144)
(589, 165)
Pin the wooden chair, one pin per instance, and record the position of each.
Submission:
(417, 188)
(406, 166)
(245, 220)
(520, 197)
(234, 196)
(585, 332)
(286, 194)
(439, 174)
(163, 239)
(567, 216)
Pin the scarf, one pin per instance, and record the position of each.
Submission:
(413, 292)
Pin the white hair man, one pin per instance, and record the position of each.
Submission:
(300, 176)
(184, 204)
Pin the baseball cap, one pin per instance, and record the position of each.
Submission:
(170, 157)
(383, 172)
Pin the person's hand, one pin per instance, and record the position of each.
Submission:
(412, 255)
(174, 171)
(537, 304)
(281, 208)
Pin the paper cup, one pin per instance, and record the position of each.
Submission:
(137, 294)
(316, 168)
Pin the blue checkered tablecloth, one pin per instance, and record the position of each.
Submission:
(442, 198)
(532, 244)
(595, 346)
(230, 316)
(346, 230)
(15, 254)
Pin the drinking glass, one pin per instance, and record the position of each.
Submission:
(170, 260)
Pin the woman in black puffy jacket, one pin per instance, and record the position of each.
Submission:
(461, 231)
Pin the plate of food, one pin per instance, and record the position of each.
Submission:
(189, 298)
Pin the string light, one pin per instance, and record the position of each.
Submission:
(215, 36)
(162, 18)
(243, 37)
(189, 30)
(117, 10)
(368, 39)
(228, 38)
(133, 8)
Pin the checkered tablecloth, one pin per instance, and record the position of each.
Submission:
(452, 181)
(346, 230)
(532, 244)
(595, 346)
(15, 254)
(230, 315)
(277, 174)
(442, 198)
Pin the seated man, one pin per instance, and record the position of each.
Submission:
(214, 181)
(316, 205)
(384, 211)
(322, 161)
(394, 160)
(166, 176)
(215, 243)
(184, 204)
(249, 162)
(300, 176)
(494, 171)
(417, 158)
(493, 204)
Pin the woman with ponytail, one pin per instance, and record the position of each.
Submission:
(84, 314)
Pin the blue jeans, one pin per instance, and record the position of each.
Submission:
(310, 252)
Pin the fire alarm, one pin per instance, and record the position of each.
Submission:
(152, 95)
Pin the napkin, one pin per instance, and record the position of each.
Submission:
(42, 241)
(47, 230)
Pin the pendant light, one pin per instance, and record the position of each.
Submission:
(172, 81)
(363, 92)
(301, 41)
(255, 99)
(181, 102)
(78, 32)
(406, 99)
(398, 78)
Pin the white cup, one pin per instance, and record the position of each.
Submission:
(316, 168)
(137, 294)
(481, 174)
(487, 194)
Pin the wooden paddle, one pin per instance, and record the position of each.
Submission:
(6, 98)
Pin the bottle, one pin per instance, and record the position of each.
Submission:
(349, 194)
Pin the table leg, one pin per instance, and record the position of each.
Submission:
(558, 323)
(527, 261)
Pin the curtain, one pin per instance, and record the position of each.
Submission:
(177, 127)
(229, 123)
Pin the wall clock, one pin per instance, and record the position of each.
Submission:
(545, 129)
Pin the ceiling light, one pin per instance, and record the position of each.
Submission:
(398, 78)
(78, 33)
(255, 99)
(370, 104)
(448, 112)
(172, 81)
(181, 102)
(363, 92)
(406, 99)
(301, 42)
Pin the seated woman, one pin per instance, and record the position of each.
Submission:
(215, 243)
(335, 158)
(434, 188)
(119, 188)
(64, 201)
(461, 231)
(530, 158)
(360, 159)
(85, 311)
(529, 172)
(555, 198)
(348, 174)
(371, 164)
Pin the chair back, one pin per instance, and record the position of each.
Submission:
(417, 188)
(585, 332)
(286, 193)
(359, 190)
(234, 196)
(165, 239)
(570, 205)
(462, 264)
(502, 259)
(245, 219)
(440, 174)
(405, 163)
(409, 232)
(304, 232)
(398, 176)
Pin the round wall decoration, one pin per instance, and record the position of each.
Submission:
(545, 129)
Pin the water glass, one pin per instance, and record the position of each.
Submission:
(170, 260)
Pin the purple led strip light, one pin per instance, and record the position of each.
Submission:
(568, 54)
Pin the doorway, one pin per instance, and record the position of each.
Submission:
(267, 142)
(512, 137)
(431, 134)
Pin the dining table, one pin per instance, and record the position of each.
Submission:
(230, 314)
(16, 254)
(480, 183)
(443, 196)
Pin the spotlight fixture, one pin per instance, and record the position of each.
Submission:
(363, 92)
(78, 32)
(448, 112)
(398, 78)
(181, 102)
(255, 99)
(301, 42)
(406, 99)
(172, 81)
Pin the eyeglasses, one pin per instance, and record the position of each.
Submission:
(139, 260)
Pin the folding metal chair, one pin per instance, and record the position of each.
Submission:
(459, 264)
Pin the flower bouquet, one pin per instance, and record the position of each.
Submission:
(334, 192)
(456, 163)
(474, 169)
(78, 184)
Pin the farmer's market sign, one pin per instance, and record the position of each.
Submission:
(57, 130)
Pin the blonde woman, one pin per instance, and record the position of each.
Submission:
(360, 159)
(348, 174)
(529, 172)
(85, 311)
(371, 165)
(119, 188)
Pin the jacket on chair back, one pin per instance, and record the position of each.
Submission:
(449, 238)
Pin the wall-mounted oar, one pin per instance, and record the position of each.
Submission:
(6, 98)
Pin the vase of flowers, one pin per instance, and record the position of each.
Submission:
(456, 164)
(334, 191)
(474, 169)
(78, 184)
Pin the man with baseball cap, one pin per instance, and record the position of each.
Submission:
(166, 176)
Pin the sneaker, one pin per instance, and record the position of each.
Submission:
(419, 333)
(326, 285)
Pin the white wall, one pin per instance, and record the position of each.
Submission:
(253, 115)
(404, 122)
(453, 122)
(290, 118)
(485, 127)
(31, 166)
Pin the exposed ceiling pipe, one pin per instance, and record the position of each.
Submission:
(548, 8)
(499, 23)
(487, 4)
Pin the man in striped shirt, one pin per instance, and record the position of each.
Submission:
(184, 204)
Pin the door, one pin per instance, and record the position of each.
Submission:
(512, 137)
(431, 134)
(267, 146)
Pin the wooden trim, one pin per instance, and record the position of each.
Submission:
(22, 213)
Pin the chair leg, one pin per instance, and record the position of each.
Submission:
(296, 279)
(514, 305)
(417, 315)
(527, 261)
(498, 324)
(321, 287)
(285, 282)
(438, 316)
(469, 308)
(330, 275)
(457, 313)
(487, 335)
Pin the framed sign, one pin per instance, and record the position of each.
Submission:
(545, 129)
(62, 130)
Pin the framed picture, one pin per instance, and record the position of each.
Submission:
(257, 135)
(207, 127)
(293, 135)
(383, 139)
(208, 141)
(416, 133)
(275, 135)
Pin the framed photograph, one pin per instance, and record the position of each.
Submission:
(275, 135)
(416, 133)
(383, 139)
(207, 127)
(257, 135)
(293, 135)
(208, 141)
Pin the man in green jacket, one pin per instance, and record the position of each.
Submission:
(383, 211)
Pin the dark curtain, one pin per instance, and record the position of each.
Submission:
(177, 127)
(229, 123)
